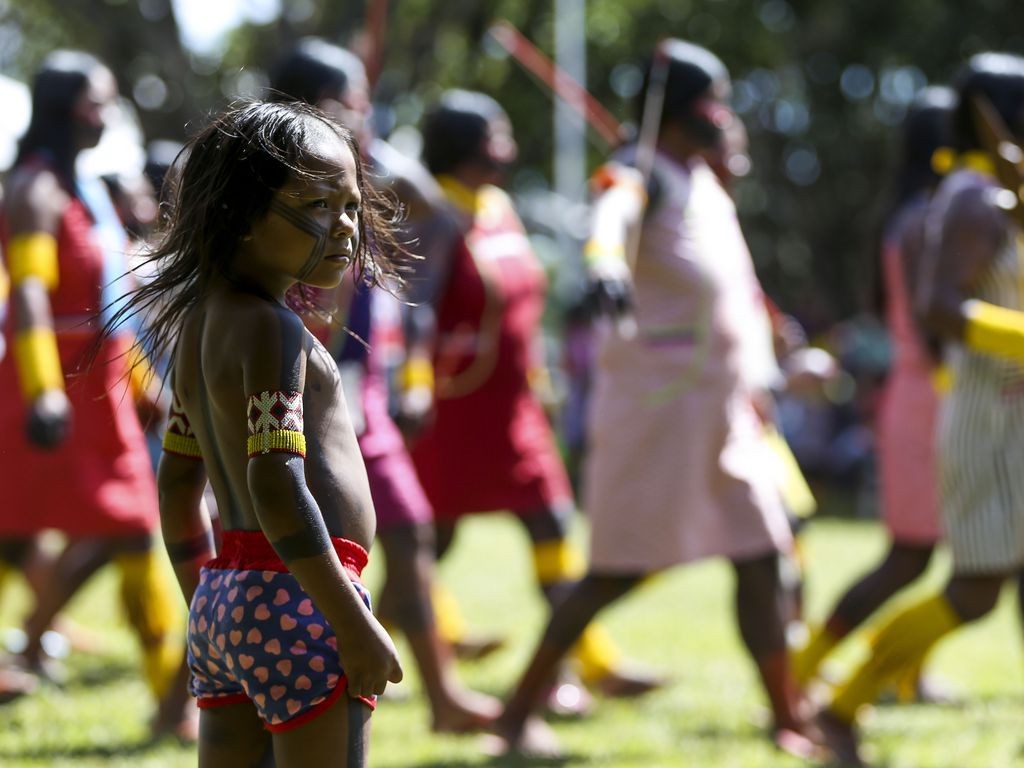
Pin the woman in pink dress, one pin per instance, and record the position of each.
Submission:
(678, 469)
(906, 422)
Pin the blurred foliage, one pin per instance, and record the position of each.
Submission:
(821, 84)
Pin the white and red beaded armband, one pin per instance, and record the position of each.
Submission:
(179, 438)
(275, 424)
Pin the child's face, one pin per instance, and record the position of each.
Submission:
(310, 231)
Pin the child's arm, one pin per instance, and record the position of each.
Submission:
(184, 519)
(274, 370)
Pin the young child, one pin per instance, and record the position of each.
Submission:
(271, 196)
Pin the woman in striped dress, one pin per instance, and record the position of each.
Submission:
(975, 302)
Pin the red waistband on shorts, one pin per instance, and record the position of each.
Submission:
(252, 551)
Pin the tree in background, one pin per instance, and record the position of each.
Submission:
(820, 84)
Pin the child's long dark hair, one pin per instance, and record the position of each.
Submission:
(232, 170)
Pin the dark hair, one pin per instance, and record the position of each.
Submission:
(692, 71)
(1000, 78)
(926, 128)
(233, 168)
(313, 69)
(59, 82)
(455, 129)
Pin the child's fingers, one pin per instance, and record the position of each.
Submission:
(396, 674)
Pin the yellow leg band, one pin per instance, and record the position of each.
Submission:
(596, 654)
(33, 255)
(38, 361)
(557, 561)
(151, 601)
(994, 330)
(899, 646)
(450, 624)
(807, 660)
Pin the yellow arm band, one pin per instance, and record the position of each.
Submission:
(182, 445)
(33, 255)
(417, 373)
(276, 441)
(5, 285)
(38, 361)
(595, 252)
(994, 330)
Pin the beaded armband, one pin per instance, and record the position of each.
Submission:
(179, 438)
(275, 424)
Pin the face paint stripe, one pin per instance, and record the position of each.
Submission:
(307, 225)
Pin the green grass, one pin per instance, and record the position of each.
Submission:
(680, 623)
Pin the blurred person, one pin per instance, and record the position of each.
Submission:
(332, 78)
(678, 469)
(482, 441)
(972, 299)
(910, 403)
(75, 459)
(775, 361)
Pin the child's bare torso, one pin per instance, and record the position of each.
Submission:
(208, 378)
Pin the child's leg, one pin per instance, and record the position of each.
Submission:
(339, 736)
(231, 736)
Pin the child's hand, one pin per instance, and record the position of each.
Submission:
(370, 660)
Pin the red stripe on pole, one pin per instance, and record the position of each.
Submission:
(561, 83)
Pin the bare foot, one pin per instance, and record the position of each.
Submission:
(14, 683)
(840, 739)
(467, 713)
(626, 683)
(535, 741)
(795, 743)
(476, 647)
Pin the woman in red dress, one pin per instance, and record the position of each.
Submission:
(74, 456)
(487, 445)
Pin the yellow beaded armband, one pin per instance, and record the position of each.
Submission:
(275, 424)
(179, 438)
(38, 361)
(181, 445)
(278, 441)
(33, 255)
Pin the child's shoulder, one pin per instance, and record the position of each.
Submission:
(247, 322)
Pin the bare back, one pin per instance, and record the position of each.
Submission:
(209, 382)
